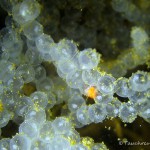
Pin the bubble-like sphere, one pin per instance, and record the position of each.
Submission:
(106, 84)
(123, 88)
(33, 57)
(97, 113)
(75, 102)
(140, 81)
(105, 99)
(140, 41)
(51, 100)
(90, 77)
(17, 83)
(74, 79)
(23, 105)
(111, 110)
(32, 30)
(7, 5)
(43, 43)
(40, 72)
(68, 47)
(36, 114)
(137, 97)
(65, 49)
(9, 100)
(44, 85)
(127, 113)
(82, 115)
(40, 99)
(5, 116)
(75, 121)
(67, 66)
(19, 142)
(29, 128)
(7, 70)
(26, 11)
(26, 72)
(58, 142)
(61, 90)
(143, 109)
(61, 125)
(39, 144)
(12, 43)
(72, 136)
(55, 52)
(88, 59)
(4, 144)
(46, 132)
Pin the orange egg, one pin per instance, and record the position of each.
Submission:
(91, 92)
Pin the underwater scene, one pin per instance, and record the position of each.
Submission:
(74, 74)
